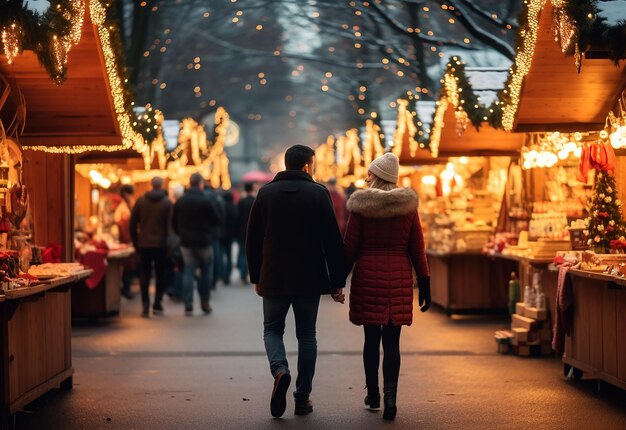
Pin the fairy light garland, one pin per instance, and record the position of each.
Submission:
(522, 64)
(404, 125)
(12, 41)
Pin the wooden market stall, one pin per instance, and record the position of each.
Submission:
(462, 280)
(75, 104)
(551, 91)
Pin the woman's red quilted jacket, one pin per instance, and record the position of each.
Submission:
(384, 242)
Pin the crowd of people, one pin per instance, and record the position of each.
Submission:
(183, 239)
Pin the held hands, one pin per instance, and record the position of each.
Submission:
(338, 296)
(423, 285)
(257, 289)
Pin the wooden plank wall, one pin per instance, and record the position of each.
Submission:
(50, 178)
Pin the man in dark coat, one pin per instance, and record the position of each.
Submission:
(194, 220)
(149, 229)
(229, 233)
(244, 206)
(295, 254)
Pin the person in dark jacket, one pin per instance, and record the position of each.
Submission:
(194, 220)
(149, 229)
(229, 233)
(218, 203)
(244, 206)
(295, 254)
(384, 238)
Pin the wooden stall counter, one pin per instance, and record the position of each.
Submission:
(104, 298)
(469, 282)
(596, 345)
(526, 269)
(35, 341)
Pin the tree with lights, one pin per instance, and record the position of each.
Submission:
(605, 224)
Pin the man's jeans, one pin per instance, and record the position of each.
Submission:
(194, 258)
(305, 311)
(242, 263)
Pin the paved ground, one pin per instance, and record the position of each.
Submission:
(210, 372)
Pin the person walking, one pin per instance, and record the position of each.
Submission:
(218, 202)
(177, 265)
(229, 232)
(384, 243)
(244, 206)
(295, 254)
(194, 220)
(122, 219)
(149, 228)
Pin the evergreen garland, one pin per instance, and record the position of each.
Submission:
(39, 30)
(468, 100)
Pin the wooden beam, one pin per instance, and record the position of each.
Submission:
(60, 140)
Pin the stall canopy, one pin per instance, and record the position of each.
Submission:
(547, 92)
(89, 110)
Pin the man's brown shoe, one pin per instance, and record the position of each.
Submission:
(278, 404)
(303, 407)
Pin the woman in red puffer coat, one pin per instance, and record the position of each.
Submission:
(384, 242)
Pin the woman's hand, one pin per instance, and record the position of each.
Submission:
(338, 296)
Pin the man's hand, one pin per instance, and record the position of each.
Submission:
(257, 289)
(338, 296)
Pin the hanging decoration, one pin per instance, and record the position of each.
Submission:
(372, 144)
(618, 125)
(597, 154)
(546, 149)
(51, 35)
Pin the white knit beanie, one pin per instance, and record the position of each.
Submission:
(386, 167)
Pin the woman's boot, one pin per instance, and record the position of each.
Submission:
(372, 400)
(389, 393)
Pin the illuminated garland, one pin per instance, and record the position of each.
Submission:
(576, 25)
(108, 35)
(457, 92)
(372, 144)
(50, 35)
(527, 38)
(325, 160)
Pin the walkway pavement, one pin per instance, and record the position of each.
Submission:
(210, 372)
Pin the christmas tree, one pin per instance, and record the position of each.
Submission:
(605, 224)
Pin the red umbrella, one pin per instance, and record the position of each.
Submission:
(258, 176)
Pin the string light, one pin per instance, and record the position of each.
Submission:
(12, 41)
(523, 61)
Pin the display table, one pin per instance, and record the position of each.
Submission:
(469, 282)
(103, 299)
(596, 345)
(527, 267)
(35, 337)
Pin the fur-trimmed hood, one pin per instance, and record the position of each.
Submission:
(375, 203)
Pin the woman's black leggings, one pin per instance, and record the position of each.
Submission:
(371, 353)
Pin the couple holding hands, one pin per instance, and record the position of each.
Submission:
(296, 254)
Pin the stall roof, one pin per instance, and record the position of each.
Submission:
(82, 110)
(487, 141)
(447, 137)
(554, 96)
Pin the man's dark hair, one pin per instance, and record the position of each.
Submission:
(248, 187)
(195, 180)
(298, 156)
(127, 189)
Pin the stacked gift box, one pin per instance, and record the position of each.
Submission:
(530, 333)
